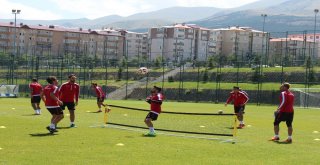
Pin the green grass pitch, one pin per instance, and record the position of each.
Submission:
(24, 139)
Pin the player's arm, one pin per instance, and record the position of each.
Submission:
(54, 97)
(246, 98)
(42, 96)
(158, 100)
(77, 94)
(282, 101)
(228, 100)
(31, 90)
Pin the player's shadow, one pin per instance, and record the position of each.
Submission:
(282, 142)
(94, 112)
(29, 115)
(63, 127)
(41, 134)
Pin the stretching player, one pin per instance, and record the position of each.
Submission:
(239, 99)
(100, 95)
(35, 89)
(284, 112)
(50, 97)
(69, 95)
(155, 101)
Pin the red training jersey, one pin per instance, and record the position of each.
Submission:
(156, 101)
(286, 101)
(50, 102)
(99, 92)
(69, 92)
(35, 88)
(238, 99)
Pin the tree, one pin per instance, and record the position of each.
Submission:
(205, 77)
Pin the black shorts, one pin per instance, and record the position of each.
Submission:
(238, 109)
(101, 100)
(70, 105)
(55, 111)
(284, 116)
(152, 116)
(35, 99)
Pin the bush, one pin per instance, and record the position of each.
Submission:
(170, 79)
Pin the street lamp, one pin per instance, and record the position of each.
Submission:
(261, 62)
(263, 36)
(316, 11)
(15, 12)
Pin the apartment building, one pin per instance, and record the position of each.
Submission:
(137, 45)
(309, 38)
(239, 41)
(58, 41)
(179, 42)
(295, 49)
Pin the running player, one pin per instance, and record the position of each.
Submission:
(155, 101)
(69, 95)
(50, 97)
(100, 95)
(284, 112)
(239, 99)
(35, 91)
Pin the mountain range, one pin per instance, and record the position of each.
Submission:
(283, 15)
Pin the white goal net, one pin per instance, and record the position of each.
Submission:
(9, 90)
(307, 97)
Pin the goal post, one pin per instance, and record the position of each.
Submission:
(307, 97)
(9, 90)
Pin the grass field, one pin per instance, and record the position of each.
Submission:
(24, 140)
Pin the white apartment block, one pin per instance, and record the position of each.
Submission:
(137, 45)
(179, 42)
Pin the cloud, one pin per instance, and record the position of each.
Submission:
(213, 3)
(27, 12)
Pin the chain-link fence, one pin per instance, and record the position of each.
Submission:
(258, 71)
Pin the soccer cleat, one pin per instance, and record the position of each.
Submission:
(73, 126)
(51, 130)
(275, 138)
(240, 126)
(99, 111)
(150, 134)
(288, 141)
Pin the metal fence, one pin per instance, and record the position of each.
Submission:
(258, 72)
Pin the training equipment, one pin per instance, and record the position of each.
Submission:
(176, 122)
(9, 90)
(143, 70)
(220, 112)
(306, 97)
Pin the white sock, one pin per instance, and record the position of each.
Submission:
(53, 126)
(39, 110)
(71, 122)
(289, 137)
(241, 122)
(276, 136)
(151, 129)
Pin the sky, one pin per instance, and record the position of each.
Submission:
(72, 9)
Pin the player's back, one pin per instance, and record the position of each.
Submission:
(287, 101)
(36, 89)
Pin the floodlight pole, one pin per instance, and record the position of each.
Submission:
(316, 11)
(15, 12)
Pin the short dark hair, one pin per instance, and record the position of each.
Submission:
(34, 80)
(157, 88)
(287, 85)
(94, 84)
(71, 75)
(236, 87)
(51, 79)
